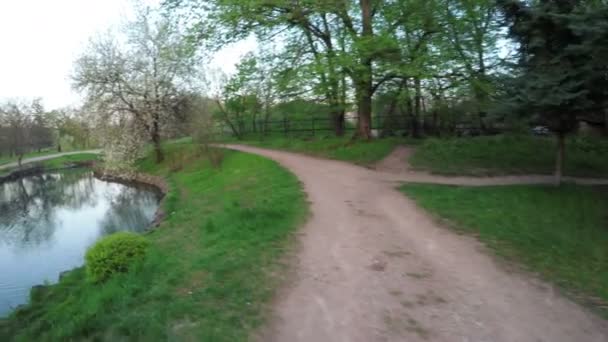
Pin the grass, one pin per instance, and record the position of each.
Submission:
(213, 265)
(340, 148)
(57, 163)
(7, 159)
(560, 233)
(499, 155)
(69, 159)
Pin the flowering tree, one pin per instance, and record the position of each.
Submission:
(139, 77)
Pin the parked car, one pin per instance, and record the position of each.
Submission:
(540, 130)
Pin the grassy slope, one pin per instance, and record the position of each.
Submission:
(510, 155)
(357, 151)
(561, 233)
(208, 274)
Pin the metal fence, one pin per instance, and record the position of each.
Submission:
(314, 125)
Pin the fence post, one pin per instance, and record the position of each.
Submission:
(285, 126)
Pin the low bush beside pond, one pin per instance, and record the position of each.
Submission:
(114, 254)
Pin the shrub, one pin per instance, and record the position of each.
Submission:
(114, 254)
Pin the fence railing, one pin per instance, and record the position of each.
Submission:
(314, 125)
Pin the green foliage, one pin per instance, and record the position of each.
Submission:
(113, 254)
(559, 233)
(510, 154)
(560, 58)
(211, 268)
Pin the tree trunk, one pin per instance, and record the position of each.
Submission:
(417, 109)
(559, 160)
(338, 122)
(606, 122)
(365, 115)
(365, 78)
(158, 151)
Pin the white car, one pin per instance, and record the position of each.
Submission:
(540, 130)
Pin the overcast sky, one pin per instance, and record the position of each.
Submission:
(40, 39)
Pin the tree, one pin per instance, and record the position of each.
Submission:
(42, 135)
(24, 128)
(474, 30)
(557, 79)
(143, 76)
(339, 37)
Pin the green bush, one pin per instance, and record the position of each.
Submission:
(114, 254)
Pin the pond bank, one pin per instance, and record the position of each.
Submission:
(49, 221)
(36, 169)
(212, 266)
(159, 183)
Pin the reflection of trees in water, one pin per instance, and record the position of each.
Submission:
(28, 205)
(131, 210)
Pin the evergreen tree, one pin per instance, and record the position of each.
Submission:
(556, 40)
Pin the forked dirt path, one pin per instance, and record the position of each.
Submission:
(372, 266)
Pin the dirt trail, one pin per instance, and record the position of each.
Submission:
(372, 266)
(46, 157)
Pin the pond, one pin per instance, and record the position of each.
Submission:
(48, 221)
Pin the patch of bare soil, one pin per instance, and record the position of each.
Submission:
(396, 161)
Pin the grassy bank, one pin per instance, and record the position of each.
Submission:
(340, 148)
(8, 159)
(56, 163)
(510, 155)
(558, 232)
(210, 269)
(69, 159)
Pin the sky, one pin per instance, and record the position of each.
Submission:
(40, 39)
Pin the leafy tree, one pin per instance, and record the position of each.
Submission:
(24, 128)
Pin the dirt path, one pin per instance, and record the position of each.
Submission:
(372, 266)
(46, 157)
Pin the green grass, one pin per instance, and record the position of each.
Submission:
(510, 155)
(357, 151)
(560, 233)
(69, 159)
(7, 159)
(213, 265)
(57, 163)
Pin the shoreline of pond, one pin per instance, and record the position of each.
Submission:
(159, 184)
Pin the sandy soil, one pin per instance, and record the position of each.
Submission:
(372, 266)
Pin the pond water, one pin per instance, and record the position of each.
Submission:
(48, 221)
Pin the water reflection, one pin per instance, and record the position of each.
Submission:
(48, 221)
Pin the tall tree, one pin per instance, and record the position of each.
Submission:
(558, 79)
(143, 76)
(339, 34)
